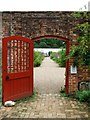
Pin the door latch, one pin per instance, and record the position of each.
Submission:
(7, 77)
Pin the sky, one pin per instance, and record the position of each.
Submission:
(43, 5)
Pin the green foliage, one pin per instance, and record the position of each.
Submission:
(59, 57)
(43, 45)
(62, 61)
(81, 14)
(38, 58)
(53, 55)
(83, 96)
(49, 43)
(63, 92)
(82, 51)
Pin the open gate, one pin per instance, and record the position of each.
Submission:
(17, 68)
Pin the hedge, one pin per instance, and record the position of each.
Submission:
(38, 58)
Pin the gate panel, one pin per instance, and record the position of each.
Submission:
(17, 71)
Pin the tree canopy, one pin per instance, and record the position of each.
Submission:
(49, 43)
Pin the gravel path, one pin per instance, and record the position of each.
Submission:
(49, 77)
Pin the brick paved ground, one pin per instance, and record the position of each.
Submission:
(49, 77)
(47, 106)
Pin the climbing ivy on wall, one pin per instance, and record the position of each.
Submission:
(82, 50)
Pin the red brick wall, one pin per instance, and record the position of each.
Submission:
(36, 24)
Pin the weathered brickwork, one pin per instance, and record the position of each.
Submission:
(36, 24)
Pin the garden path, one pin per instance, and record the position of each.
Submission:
(49, 77)
(48, 104)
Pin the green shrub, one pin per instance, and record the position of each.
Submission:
(38, 58)
(83, 96)
(62, 90)
(62, 60)
(52, 55)
(59, 57)
(37, 63)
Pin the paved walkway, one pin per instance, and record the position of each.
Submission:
(47, 106)
(49, 80)
(49, 77)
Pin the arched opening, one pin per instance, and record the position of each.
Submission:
(19, 51)
(67, 41)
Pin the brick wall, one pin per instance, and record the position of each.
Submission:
(36, 24)
(33, 24)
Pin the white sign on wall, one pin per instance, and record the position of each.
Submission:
(73, 69)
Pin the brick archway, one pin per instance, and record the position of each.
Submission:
(32, 25)
(68, 42)
(35, 24)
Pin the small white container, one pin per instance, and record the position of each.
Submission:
(9, 103)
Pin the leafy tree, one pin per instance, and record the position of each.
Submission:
(43, 45)
(49, 43)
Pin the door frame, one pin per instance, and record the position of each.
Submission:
(68, 44)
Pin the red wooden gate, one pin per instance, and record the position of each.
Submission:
(17, 69)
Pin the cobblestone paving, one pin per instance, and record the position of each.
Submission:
(47, 106)
(49, 77)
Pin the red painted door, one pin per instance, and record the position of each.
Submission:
(17, 68)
